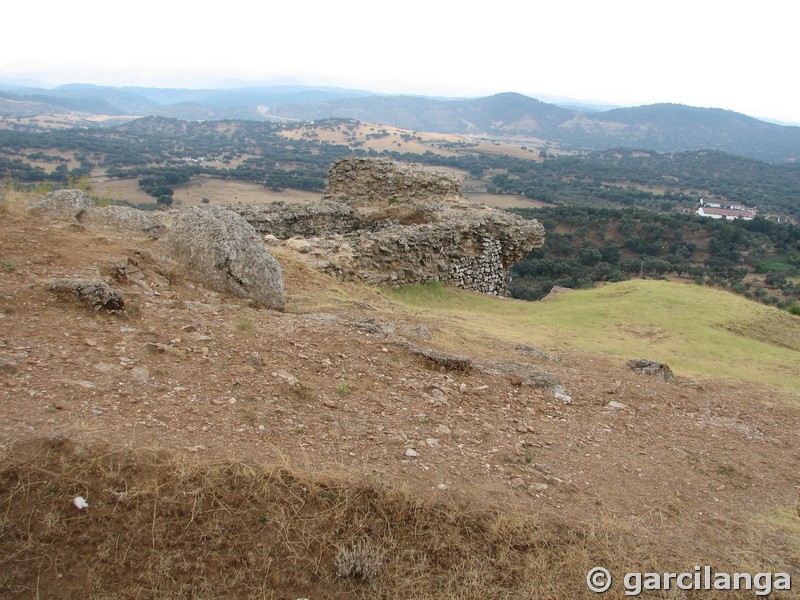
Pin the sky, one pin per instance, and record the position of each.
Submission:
(735, 55)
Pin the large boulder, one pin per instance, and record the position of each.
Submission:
(62, 204)
(221, 249)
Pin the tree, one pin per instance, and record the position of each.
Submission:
(775, 280)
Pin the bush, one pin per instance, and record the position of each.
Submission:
(360, 561)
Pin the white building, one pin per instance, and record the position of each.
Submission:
(729, 214)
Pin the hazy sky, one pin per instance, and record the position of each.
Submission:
(736, 55)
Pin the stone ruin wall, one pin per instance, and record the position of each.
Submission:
(376, 182)
(310, 219)
(390, 224)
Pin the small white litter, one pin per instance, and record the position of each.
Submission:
(80, 503)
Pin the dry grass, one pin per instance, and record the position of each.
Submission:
(162, 525)
(15, 201)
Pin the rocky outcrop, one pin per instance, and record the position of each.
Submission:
(93, 293)
(654, 368)
(124, 218)
(62, 204)
(221, 249)
(386, 223)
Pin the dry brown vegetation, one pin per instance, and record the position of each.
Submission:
(212, 474)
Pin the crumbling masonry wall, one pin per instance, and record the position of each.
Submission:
(386, 223)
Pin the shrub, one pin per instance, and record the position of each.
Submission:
(244, 323)
(360, 561)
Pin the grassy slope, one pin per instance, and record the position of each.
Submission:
(698, 331)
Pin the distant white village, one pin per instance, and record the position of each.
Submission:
(724, 209)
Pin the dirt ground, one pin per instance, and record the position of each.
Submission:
(331, 384)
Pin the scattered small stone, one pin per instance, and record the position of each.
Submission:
(287, 377)
(442, 486)
(330, 403)
(97, 411)
(615, 404)
(88, 385)
(522, 428)
(563, 397)
(255, 359)
(528, 350)
(7, 367)
(432, 442)
(693, 383)
(443, 429)
(140, 375)
(156, 348)
(517, 482)
(232, 400)
(537, 488)
(411, 453)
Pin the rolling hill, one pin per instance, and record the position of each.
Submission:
(658, 127)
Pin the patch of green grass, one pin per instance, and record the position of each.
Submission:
(9, 266)
(344, 388)
(696, 330)
(778, 264)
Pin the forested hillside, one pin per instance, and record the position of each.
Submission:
(585, 246)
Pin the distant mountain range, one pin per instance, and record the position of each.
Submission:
(658, 127)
